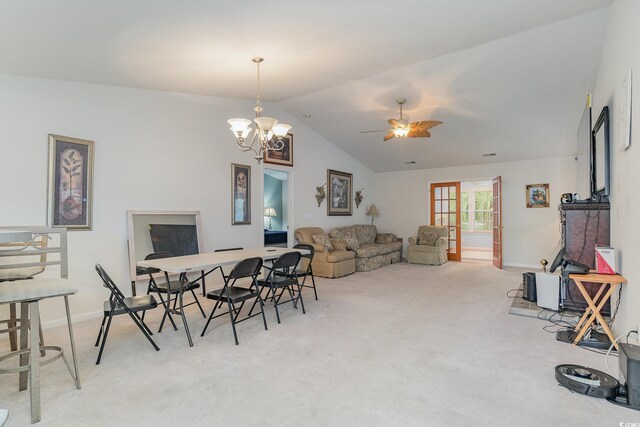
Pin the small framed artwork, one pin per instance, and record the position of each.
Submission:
(70, 190)
(281, 157)
(538, 196)
(240, 194)
(340, 186)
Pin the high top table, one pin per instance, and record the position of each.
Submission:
(207, 263)
(592, 313)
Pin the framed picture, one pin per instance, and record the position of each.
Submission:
(281, 157)
(538, 196)
(70, 194)
(340, 186)
(240, 194)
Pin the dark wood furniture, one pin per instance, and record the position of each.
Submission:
(583, 226)
(274, 237)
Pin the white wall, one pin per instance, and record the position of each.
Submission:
(154, 150)
(529, 234)
(620, 53)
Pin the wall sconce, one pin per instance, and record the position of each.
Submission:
(321, 194)
(359, 197)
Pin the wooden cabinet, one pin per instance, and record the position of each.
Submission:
(583, 226)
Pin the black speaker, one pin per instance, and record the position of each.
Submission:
(529, 286)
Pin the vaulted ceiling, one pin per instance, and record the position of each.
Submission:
(505, 76)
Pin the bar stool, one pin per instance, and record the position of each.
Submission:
(31, 292)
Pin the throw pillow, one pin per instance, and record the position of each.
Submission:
(323, 239)
(352, 244)
(386, 238)
(339, 245)
(427, 238)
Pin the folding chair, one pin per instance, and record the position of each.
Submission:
(282, 275)
(232, 295)
(119, 304)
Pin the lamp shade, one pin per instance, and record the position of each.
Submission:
(281, 129)
(373, 210)
(270, 212)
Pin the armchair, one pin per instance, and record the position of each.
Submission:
(421, 252)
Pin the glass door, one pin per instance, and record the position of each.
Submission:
(497, 222)
(445, 210)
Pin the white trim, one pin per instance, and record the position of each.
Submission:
(519, 265)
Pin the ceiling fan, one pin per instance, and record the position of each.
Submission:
(401, 128)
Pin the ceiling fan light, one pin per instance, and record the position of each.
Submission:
(265, 123)
(401, 132)
(280, 129)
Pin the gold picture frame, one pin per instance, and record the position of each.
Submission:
(282, 157)
(538, 196)
(70, 186)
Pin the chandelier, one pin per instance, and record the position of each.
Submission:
(268, 133)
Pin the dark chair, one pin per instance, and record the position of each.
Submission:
(119, 304)
(220, 267)
(306, 271)
(175, 288)
(282, 275)
(232, 295)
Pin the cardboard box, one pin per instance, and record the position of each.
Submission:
(605, 259)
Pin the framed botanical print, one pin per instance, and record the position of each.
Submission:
(240, 194)
(538, 196)
(340, 186)
(70, 193)
(281, 157)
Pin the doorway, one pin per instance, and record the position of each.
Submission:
(476, 204)
(276, 207)
(472, 210)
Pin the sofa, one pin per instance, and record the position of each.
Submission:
(372, 249)
(336, 262)
(429, 246)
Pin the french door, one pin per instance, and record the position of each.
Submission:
(445, 210)
(497, 222)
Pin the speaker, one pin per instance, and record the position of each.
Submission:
(529, 287)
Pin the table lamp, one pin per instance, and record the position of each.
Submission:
(373, 211)
(270, 212)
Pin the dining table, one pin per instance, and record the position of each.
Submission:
(206, 263)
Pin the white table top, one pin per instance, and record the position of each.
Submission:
(209, 260)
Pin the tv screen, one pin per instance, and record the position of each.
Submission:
(583, 152)
(600, 155)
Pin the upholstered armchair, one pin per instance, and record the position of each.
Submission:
(429, 246)
(333, 263)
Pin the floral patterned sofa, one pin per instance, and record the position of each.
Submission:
(373, 250)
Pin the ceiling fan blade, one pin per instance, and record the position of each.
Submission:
(425, 124)
(393, 122)
(388, 136)
(370, 131)
(419, 133)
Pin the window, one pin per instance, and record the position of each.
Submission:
(476, 210)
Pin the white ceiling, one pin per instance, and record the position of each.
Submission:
(506, 76)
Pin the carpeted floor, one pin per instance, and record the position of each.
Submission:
(406, 345)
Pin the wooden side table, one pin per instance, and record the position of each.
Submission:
(592, 313)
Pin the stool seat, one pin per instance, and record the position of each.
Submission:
(35, 289)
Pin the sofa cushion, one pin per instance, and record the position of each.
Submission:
(352, 244)
(366, 233)
(342, 233)
(367, 251)
(339, 245)
(323, 239)
(426, 248)
(386, 238)
(337, 256)
(427, 238)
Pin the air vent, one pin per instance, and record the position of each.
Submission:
(489, 155)
(411, 162)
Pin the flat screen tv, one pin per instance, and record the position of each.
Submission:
(600, 157)
(583, 152)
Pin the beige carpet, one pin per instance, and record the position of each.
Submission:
(406, 345)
